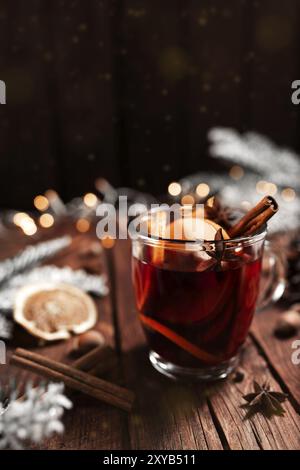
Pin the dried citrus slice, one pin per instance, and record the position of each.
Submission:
(189, 229)
(54, 311)
(193, 228)
(217, 227)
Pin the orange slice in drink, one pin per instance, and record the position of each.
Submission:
(190, 228)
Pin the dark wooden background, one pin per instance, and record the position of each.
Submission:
(128, 89)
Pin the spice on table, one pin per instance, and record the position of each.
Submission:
(86, 342)
(238, 377)
(265, 401)
(97, 361)
(75, 379)
(288, 325)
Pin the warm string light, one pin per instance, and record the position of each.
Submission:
(46, 220)
(188, 200)
(236, 172)
(41, 203)
(19, 217)
(83, 225)
(90, 200)
(108, 243)
(266, 187)
(288, 194)
(174, 189)
(203, 190)
(26, 223)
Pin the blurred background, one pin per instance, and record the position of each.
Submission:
(128, 89)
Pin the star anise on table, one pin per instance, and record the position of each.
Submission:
(218, 212)
(264, 400)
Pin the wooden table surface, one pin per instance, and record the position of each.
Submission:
(166, 415)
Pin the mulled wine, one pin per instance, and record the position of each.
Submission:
(197, 317)
(196, 277)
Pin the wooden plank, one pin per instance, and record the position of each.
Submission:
(82, 65)
(278, 352)
(273, 69)
(27, 162)
(90, 425)
(152, 64)
(168, 415)
(214, 41)
(164, 407)
(258, 432)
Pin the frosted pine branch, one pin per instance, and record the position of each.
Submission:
(95, 284)
(6, 327)
(258, 154)
(31, 256)
(34, 417)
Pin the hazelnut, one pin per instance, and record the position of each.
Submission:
(284, 330)
(238, 377)
(86, 342)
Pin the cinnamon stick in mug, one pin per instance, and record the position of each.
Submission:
(255, 218)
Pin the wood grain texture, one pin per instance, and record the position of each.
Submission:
(278, 352)
(257, 432)
(89, 425)
(218, 408)
(167, 415)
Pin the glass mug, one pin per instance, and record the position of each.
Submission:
(196, 307)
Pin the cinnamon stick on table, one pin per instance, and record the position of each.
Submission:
(97, 361)
(255, 218)
(74, 378)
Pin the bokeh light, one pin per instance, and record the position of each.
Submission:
(203, 190)
(28, 226)
(188, 200)
(19, 218)
(173, 63)
(266, 187)
(108, 243)
(236, 172)
(46, 220)
(288, 194)
(41, 203)
(83, 225)
(174, 189)
(90, 200)
(274, 33)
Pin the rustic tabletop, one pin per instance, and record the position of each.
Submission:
(166, 415)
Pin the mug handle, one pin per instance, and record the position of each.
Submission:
(273, 280)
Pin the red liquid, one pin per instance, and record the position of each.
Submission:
(210, 309)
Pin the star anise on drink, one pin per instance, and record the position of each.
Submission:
(264, 400)
(218, 212)
(218, 253)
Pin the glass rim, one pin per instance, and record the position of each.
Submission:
(156, 241)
